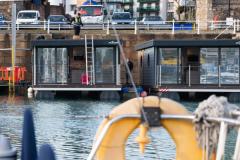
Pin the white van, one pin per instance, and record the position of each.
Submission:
(28, 17)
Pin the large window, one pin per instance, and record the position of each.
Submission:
(209, 65)
(229, 66)
(105, 65)
(52, 65)
(169, 59)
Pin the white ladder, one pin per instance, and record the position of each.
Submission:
(89, 56)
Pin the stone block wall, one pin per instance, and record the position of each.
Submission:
(208, 10)
(23, 57)
(6, 8)
(204, 13)
(223, 9)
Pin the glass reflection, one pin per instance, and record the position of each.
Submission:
(105, 65)
(52, 65)
(209, 65)
(229, 66)
(169, 61)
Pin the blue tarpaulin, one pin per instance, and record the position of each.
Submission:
(36, 2)
(184, 26)
(90, 2)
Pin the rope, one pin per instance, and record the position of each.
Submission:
(208, 132)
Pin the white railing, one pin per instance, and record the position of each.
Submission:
(197, 26)
(221, 121)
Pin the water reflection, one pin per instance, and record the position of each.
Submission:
(57, 123)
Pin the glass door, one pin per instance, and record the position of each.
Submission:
(105, 65)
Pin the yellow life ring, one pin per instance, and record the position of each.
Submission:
(181, 131)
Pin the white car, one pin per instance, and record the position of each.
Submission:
(28, 17)
(152, 20)
(122, 18)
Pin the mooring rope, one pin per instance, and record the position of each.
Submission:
(208, 132)
(122, 53)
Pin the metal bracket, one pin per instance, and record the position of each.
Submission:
(153, 116)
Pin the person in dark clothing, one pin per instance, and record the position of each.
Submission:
(130, 66)
(77, 23)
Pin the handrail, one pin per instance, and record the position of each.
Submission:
(163, 116)
(173, 26)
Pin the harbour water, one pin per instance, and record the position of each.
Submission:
(60, 123)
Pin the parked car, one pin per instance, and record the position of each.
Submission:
(28, 17)
(122, 18)
(58, 19)
(152, 20)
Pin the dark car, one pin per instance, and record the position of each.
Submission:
(58, 20)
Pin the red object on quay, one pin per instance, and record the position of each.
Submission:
(19, 74)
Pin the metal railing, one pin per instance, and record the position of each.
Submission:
(173, 26)
(192, 75)
(224, 122)
(61, 73)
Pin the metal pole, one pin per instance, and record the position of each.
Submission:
(160, 75)
(86, 56)
(108, 26)
(173, 22)
(44, 25)
(189, 76)
(234, 26)
(237, 148)
(13, 43)
(48, 28)
(222, 140)
(238, 24)
(93, 63)
(135, 28)
(219, 76)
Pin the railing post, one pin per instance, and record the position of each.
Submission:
(189, 75)
(212, 25)
(237, 147)
(160, 75)
(44, 25)
(135, 27)
(48, 28)
(198, 26)
(108, 26)
(103, 26)
(173, 26)
(234, 26)
(219, 76)
(9, 26)
(221, 140)
(59, 27)
(118, 74)
(238, 25)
